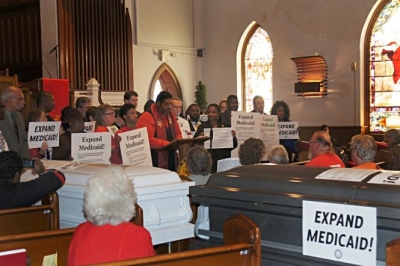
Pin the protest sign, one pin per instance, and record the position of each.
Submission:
(135, 147)
(288, 130)
(221, 138)
(43, 131)
(255, 125)
(89, 126)
(386, 178)
(91, 147)
(340, 232)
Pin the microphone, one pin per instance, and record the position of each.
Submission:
(211, 138)
(47, 70)
(54, 49)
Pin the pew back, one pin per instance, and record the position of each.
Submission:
(40, 244)
(241, 247)
(31, 219)
(393, 253)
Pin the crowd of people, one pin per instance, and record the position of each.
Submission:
(107, 234)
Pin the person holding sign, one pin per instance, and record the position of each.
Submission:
(363, 151)
(105, 118)
(213, 114)
(162, 127)
(129, 114)
(38, 115)
(72, 123)
(281, 109)
(322, 151)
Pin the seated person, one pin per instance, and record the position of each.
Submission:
(363, 151)
(72, 122)
(278, 155)
(251, 151)
(23, 194)
(322, 154)
(335, 143)
(107, 235)
(392, 137)
(199, 164)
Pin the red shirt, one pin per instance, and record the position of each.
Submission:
(326, 160)
(93, 244)
(116, 156)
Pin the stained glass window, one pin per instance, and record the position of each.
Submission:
(384, 69)
(258, 69)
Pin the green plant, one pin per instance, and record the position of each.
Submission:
(201, 96)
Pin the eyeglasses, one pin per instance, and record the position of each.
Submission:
(312, 142)
(112, 113)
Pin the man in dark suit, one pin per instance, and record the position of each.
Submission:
(233, 105)
(12, 123)
(258, 105)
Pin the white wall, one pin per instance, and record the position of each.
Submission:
(302, 27)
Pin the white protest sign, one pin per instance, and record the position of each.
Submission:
(89, 126)
(91, 147)
(346, 174)
(227, 163)
(135, 147)
(288, 130)
(43, 131)
(221, 138)
(340, 232)
(269, 132)
(386, 178)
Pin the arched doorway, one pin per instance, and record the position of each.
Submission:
(165, 80)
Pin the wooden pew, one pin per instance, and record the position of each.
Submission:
(31, 219)
(40, 244)
(393, 253)
(241, 247)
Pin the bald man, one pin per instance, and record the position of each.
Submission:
(322, 152)
(12, 125)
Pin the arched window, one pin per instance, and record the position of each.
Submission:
(256, 68)
(382, 68)
(165, 79)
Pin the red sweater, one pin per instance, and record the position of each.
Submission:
(93, 244)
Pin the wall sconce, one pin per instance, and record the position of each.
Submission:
(165, 56)
(312, 76)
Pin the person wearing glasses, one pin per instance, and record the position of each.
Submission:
(233, 105)
(162, 127)
(105, 118)
(322, 152)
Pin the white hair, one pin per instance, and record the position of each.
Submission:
(109, 197)
(278, 155)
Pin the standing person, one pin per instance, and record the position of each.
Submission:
(132, 97)
(12, 125)
(83, 104)
(183, 123)
(322, 152)
(128, 113)
(72, 122)
(105, 117)
(233, 105)
(193, 116)
(258, 105)
(213, 113)
(223, 105)
(45, 101)
(44, 152)
(281, 109)
(162, 128)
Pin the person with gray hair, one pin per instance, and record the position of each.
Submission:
(278, 155)
(107, 235)
(363, 151)
(392, 137)
(251, 151)
(199, 164)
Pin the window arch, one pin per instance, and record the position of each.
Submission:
(256, 67)
(382, 68)
(165, 79)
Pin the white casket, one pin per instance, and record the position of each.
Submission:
(160, 193)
